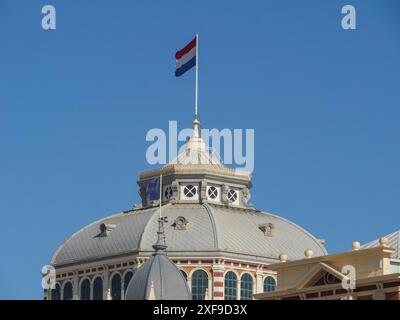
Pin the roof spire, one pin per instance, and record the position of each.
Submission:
(160, 246)
(196, 124)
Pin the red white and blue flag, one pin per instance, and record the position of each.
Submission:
(186, 58)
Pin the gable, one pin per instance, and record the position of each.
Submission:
(320, 274)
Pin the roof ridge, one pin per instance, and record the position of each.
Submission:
(213, 224)
(150, 262)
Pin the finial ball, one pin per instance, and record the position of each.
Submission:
(283, 257)
(308, 253)
(356, 245)
(383, 241)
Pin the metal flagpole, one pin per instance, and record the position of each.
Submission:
(160, 194)
(197, 75)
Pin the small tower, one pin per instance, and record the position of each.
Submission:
(197, 175)
(158, 278)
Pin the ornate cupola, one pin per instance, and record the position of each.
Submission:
(197, 176)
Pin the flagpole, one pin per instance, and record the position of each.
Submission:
(160, 194)
(197, 76)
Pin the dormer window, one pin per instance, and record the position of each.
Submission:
(180, 223)
(267, 228)
(105, 229)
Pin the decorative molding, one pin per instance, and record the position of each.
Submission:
(180, 223)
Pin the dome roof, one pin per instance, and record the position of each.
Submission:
(197, 228)
(158, 279)
(194, 230)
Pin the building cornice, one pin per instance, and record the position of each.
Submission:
(384, 250)
(279, 294)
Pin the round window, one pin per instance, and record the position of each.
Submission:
(232, 195)
(212, 192)
(189, 191)
(168, 192)
(329, 278)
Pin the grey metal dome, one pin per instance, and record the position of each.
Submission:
(211, 231)
(198, 227)
(158, 279)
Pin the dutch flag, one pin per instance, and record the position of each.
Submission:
(186, 58)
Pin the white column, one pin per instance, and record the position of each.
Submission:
(75, 286)
(259, 287)
(189, 281)
(238, 287)
(210, 288)
(106, 284)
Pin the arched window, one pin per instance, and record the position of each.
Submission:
(269, 284)
(127, 279)
(116, 287)
(230, 286)
(56, 293)
(67, 291)
(184, 274)
(246, 287)
(85, 290)
(199, 284)
(98, 289)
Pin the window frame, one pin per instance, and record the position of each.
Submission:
(233, 288)
(80, 288)
(113, 275)
(265, 284)
(244, 289)
(63, 289)
(207, 286)
(94, 287)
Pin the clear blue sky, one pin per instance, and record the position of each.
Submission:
(76, 103)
